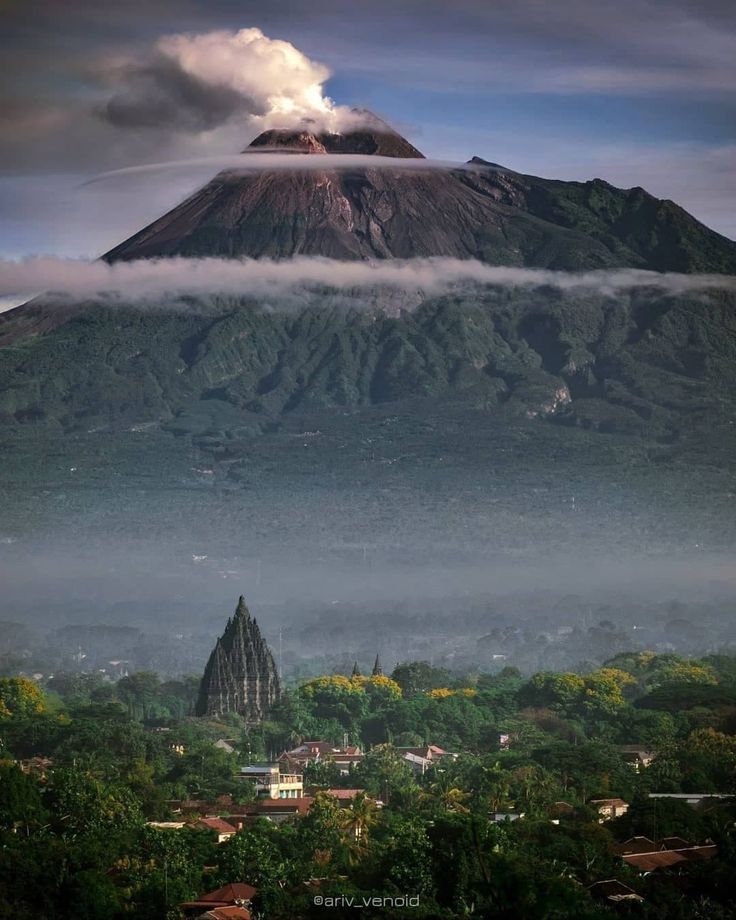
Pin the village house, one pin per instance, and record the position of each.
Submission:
(609, 808)
(561, 809)
(224, 745)
(167, 825)
(346, 797)
(221, 903)
(36, 766)
(614, 892)
(277, 811)
(271, 782)
(226, 913)
(420, 759)
(646, 855)
(223, 829)
(498, 817)
(309, 752)
(637, 756)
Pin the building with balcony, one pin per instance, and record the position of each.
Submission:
(271, 783)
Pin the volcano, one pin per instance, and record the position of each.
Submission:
(432, 429)
(478, 210)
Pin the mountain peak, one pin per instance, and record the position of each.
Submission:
(368, 135)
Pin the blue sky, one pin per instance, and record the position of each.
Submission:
(639, 92)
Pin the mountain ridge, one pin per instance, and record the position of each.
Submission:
(483, 211)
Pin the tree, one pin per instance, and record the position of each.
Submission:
(205, 770)
(160, 868)
(321, 835)
(532, 788)
(323, 773)
(547, 689)
(20, 698)
(405, 856)
(139, 692)
(443, 794)
(605, 691)
(20, 800)
(358, 821)
(383, 772)
(336, 698)
(83, 804)
(415, 677)
(253, 856)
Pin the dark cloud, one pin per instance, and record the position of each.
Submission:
(162, 96)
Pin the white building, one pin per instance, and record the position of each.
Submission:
(271, 782)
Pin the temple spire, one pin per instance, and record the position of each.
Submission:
(356, 670)
(242, 609)
(377, 669)
(241, 674)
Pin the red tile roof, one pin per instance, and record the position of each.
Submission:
(614, 890)
(648, 862)
(635, 845)
(216, 824)
(673, 843)
(704, 852)
(227, 896)
(300, 805)
(228, 913)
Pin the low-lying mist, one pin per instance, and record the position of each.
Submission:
(158, 600)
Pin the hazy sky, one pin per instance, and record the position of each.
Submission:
(640, 92)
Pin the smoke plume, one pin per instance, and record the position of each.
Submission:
(197, 83)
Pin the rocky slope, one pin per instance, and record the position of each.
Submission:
(481, 211)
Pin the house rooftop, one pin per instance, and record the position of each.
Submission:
(613, 890)
(233, 894)
(634, 845)
(216, 824)
(648, 862)
(226, 913)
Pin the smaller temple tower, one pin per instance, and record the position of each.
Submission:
(377, 669)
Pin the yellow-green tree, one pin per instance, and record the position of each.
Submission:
(20, 698)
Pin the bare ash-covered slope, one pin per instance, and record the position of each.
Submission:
(480, 211)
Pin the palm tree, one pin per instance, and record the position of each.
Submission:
(449, 797)
(358, 821)
(495, 786)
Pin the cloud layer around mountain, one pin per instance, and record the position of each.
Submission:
(151, 280)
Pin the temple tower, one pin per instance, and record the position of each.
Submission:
(240, 675)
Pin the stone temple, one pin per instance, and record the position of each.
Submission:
(240, 675)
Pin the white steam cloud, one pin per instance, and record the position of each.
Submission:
(196, 83)
(146, 280)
